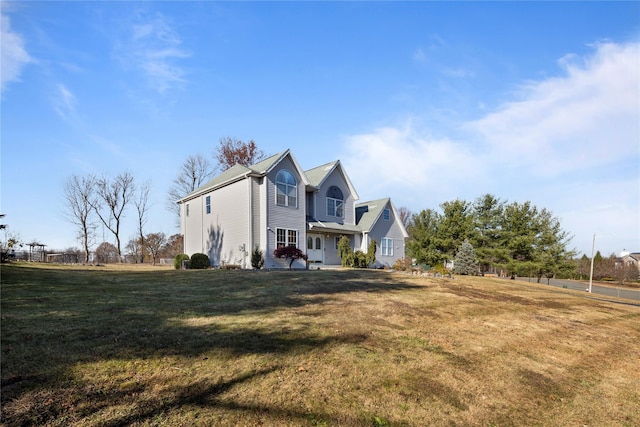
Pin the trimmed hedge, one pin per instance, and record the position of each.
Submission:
(177, 261)
(199, 261)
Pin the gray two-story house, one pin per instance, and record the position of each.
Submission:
(274, 203)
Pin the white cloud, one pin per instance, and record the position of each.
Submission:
(401, 158)
(13, 54)
(153, 47)
(549, 145)
(587, 117)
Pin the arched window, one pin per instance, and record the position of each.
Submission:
(286, 189)
(335, 202)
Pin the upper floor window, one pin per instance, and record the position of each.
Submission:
(186, 208)
(335, 202)
(386, 215)
(208, 204)
(286, 189)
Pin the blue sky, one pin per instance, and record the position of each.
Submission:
(424, 102)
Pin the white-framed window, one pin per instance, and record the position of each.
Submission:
(208, 204)
(286, 237)
(335, 202)
(386, 215)
(387, 246)
(186, 209)
(286, 189)
(337, 239)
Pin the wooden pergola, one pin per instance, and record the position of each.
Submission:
(36, 251)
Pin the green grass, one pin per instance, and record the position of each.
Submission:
(110, 346)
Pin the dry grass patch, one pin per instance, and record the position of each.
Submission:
(320, 348)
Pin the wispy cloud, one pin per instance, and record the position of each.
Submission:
(153, 47)
(555, 134)
(14, 56)
(64, 103)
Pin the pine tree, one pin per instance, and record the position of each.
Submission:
(465, 261)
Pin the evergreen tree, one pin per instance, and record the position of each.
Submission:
(422, 245)
(488, 238)
(465, 261)
(455, 225)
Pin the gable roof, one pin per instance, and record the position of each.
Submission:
(232, 174)
(265, 166)
(319, 174)
(238, 172)
(368, 214)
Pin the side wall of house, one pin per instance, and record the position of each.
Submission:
(285, 217)
(223, 233)
(226, 228)
(389, 229)
(191, 226)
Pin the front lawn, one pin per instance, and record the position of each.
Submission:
(104, 346)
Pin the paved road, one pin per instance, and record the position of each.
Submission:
(609, 291)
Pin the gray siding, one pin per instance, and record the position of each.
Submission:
(226, 228)
(336, 178)
(256, 207)
(392, 230)
(293, 218)
(191, 226)
(222, 232)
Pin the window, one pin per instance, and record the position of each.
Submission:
(309, 242)
(286, 189)
(387, 246)
(386, 215)
(338, 241)
(187, 209)
(286, 237)
(335, 202)
(208, 204)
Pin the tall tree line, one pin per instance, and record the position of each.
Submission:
(91, 200)
(514, 238)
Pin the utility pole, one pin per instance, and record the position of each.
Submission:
(593, 245)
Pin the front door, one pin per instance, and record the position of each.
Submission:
(314, 248)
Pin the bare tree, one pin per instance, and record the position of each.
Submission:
(141, 202)
(80, 196)
(405, 216)
(154, 243)
(113, 198)
(232, 151)
(134, 249)
(195, 171)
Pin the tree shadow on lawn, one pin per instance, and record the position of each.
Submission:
(54, 319)
(209, 395)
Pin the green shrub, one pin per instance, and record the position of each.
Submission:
(199, 261)
(257, 258)
(357, 259)
(177, 261)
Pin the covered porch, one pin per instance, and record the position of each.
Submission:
(322, 242)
